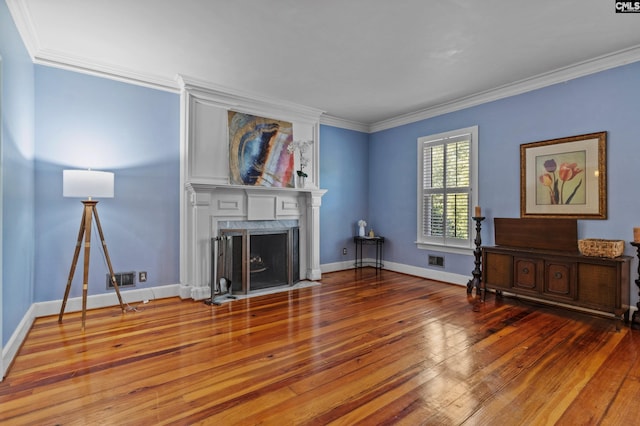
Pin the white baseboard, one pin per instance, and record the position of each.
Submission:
(42, 309)
(404, 269)
(107, 299)
(337, 266)
(427, 273)
(10, 350)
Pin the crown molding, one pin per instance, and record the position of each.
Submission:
(330, 120)
(592, 66)
(22, 18)
(63, 61)
(235, 99)
(560, 75)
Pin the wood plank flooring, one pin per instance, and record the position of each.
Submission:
(362, 348)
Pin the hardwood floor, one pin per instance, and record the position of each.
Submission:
(359, 349)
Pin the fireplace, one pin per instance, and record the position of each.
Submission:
(260, 255)
(209, 198)
(254, 211)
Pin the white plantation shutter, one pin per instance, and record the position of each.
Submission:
(445, 195)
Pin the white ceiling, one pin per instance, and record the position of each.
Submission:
(362, 61)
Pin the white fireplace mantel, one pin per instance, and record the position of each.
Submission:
(207, 198)
(211, 205)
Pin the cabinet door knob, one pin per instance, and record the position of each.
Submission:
(525, 270)
(558, 275)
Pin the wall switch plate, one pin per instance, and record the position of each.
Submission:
(344, 251)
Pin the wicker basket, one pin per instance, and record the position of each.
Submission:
(601, 248)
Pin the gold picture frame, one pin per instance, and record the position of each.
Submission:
(564, 178)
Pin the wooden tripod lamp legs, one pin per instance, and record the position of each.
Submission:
(85, 231)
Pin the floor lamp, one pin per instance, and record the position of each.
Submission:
(87, 183)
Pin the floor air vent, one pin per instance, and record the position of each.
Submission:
(436, 261)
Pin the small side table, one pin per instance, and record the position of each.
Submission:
(360, 241)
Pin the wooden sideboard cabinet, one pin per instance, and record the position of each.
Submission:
(594, 283)
(565, 277)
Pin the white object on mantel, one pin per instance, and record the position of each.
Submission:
(361, 232)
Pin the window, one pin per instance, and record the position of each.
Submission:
(447, 182)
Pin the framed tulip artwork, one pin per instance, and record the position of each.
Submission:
(564, 178)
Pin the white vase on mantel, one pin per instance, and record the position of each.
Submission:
(361, 232)
(302, 180)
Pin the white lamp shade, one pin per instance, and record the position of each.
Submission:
(87, 183)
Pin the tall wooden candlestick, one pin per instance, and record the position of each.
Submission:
(476, 281)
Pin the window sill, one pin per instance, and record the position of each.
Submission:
(445, 249)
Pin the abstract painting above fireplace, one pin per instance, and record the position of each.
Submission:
(258, 151)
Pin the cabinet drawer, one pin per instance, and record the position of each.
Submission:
(598, 285)
(560, 280)
(497, 271)
(526, 273)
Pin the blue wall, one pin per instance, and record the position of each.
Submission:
(88, 122)
(344, 165)
(16, 166)
(606, 101)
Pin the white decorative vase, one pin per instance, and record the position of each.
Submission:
(302, 181)
(361, 231)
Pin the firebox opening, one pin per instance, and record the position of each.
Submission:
(257, 259)
(268, 261)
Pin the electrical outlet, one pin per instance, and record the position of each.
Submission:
(344, 251)
(142, 277)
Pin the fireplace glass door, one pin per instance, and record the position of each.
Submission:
(258, 259)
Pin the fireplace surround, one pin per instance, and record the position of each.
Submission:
(208, 198)
(217, 210)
